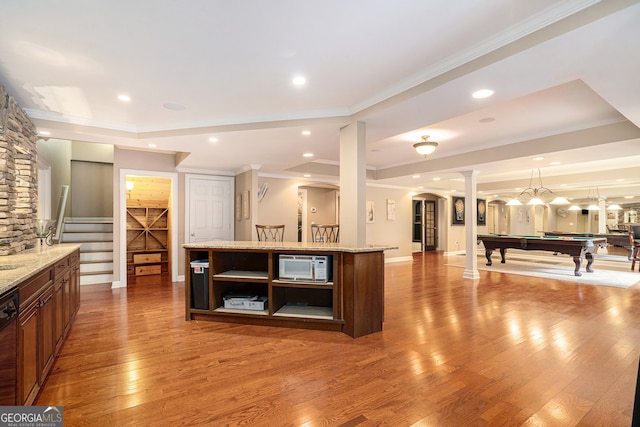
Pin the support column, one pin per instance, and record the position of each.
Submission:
(471, 227)
(353, 187)
(602, 216)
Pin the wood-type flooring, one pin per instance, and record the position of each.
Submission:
(504, 350)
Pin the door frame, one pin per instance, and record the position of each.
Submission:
(123, 220)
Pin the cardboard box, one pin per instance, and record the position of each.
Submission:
(245, 302)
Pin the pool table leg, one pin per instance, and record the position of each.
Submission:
(503, 253)
(577, 260)
(589, 256)
(487, 253)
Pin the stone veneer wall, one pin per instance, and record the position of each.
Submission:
(18, 177)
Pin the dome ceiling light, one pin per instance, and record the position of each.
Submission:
(425, 147)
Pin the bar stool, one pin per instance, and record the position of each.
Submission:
(327, 233)
(270, 233)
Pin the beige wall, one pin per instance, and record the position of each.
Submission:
(57, 153)
(280, 206)
(385, 231)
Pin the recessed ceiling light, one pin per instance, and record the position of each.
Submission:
(420, 187)
(620, 180)
(307, 175)
(436, 179)
(307, 155)
(213, 139)
(554, 163)
(299, 80)
(482, 93)
(306, 132)
(174, 106)
(538, 158)
(416, 176)
(124, 98)
(628, 197)
(152, 145)
(44, 133)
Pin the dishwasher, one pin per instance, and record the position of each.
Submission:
(8, 347)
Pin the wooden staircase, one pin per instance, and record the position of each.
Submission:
(95, 236)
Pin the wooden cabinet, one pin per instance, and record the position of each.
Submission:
(343, 303)
(147, 240)
(47, 310)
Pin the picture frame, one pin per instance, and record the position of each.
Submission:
(457, 209)
(370, 212)
(246, 205)
(391, 210)
(481, 212)
(238, 207)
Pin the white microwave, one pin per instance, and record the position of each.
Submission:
(306, 268)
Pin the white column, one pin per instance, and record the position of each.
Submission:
(602, 217)
(353, 185)
(470, 225)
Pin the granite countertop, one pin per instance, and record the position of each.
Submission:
(15, 269)
(278, 246)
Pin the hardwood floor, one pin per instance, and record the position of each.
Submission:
(504, 350)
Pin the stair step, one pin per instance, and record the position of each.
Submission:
(96, 246)
(84, 227)
(94, 279)
(96, 256)
(75, 237)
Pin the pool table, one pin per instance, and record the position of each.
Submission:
(577, 247)
(616, 239)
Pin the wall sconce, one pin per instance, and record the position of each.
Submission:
(129, 188)
(425, 147)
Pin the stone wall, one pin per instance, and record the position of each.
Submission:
(18, 177)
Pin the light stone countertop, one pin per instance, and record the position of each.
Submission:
(15, 269)
(286, 246)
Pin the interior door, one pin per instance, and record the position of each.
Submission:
(429, 222)
(210, 208)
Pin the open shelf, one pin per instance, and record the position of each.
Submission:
(305, 311)
(241, 311)
(242, 274)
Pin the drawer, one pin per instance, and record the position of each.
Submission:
(145, 270)
(31, 288)
(146, 258)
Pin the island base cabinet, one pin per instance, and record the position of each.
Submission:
(28, 372)
(363, 293)
(350, 299)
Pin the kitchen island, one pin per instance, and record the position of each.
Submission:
(242, 282)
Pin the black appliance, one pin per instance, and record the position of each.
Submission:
(8, 347)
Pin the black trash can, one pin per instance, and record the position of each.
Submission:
(200, 284)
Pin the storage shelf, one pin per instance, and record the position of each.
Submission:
(241, 311)
(242, 274)
(305, 311)
(305, 285)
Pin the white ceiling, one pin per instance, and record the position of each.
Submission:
(565, 76)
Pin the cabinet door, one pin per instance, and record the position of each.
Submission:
(28, 384)
(58, 302)
(47, 332)
(67, 301)
(75, 287)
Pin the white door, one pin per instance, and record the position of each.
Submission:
(210, 208)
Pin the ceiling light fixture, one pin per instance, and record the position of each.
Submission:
(299, 81)
(614, 207)
(425, 147)
(307, 155)
(535, 194)
(306, 132)
(595, 199)
(213, 139)
(483, 93)
(124, 98)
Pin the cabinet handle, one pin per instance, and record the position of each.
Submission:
(43, 303)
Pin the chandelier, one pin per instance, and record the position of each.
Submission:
(425, 147)
(535, 194)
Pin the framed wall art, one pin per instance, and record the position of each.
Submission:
(482, 212)
(458, 211)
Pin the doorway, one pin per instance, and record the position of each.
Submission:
(425, 220)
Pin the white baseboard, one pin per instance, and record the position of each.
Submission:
(398, 259)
